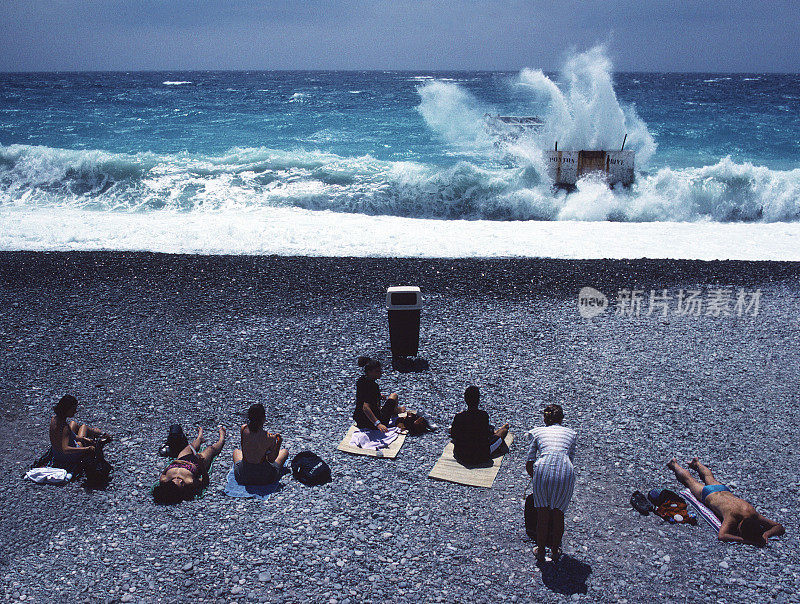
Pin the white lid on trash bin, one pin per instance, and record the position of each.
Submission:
(403, 297)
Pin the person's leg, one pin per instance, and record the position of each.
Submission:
(686, 479)
(388, 411)
(209, 453)
(398, 408)
(502, 431)
(237, 455)
(704, 472)
(390, 408)
(542, 533)
(81, 430)
(283, 455)
(195, 444)
(556, 532)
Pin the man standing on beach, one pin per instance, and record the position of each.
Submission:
(740, 521)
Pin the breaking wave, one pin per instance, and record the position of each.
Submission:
(246, 178)
(579, 109)
(580, 112)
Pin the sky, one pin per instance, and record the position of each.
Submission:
(641, 35)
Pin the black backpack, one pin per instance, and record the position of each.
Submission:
(310, 469)
(95, 467)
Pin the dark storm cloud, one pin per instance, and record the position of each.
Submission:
(716, 35)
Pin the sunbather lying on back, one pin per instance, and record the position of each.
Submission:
(187, 476)
(740, 521)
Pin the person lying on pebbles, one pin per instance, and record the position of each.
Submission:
(261, 458)
(475, 441)
(741, 523)
(369, 414)
(71, 442)
(187, 476)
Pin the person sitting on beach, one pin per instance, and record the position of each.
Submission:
(261, 458)
(475, 441)
(553, 479)
(740, 521)
(369, 414)
(70, 442)
(187, 476)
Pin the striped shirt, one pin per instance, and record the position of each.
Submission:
(552, 449)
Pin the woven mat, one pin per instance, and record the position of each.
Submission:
(448, 469)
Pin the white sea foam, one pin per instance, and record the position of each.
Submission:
(454, 114)
(246, 178)
(580, 111)
(290, 231)
(175, 83)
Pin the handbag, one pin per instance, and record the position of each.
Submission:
(530, 515)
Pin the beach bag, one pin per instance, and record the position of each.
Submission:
(310, 469)
(530, 517)
(95, 467)
(671, 507)
(45, 460)
(176, 441)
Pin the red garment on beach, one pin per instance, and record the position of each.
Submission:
(673, 509)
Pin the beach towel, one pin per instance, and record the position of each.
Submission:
(703, 511)
(389, 452)
(45, 475)
(450, 470)
(234, 489)
(374, 439)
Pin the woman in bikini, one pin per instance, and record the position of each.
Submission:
(261, 458)
(187, 476)
(71, 442)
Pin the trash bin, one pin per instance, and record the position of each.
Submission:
(404, 305)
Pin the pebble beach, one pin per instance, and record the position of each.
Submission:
(145, 340)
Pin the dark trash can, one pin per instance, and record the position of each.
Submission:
(404, 305)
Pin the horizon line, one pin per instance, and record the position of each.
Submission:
(353, 70)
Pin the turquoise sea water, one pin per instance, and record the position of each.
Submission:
(708, 147)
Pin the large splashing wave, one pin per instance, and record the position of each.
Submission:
(258, 177)
(580, 110)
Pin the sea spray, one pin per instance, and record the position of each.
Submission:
(583, 113)
(251, 178)
(454, 114)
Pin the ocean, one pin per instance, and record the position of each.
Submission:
(398, 163)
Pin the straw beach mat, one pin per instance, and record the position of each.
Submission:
(389, 452)
(447, 468)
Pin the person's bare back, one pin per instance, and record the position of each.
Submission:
(259, 446)
(741, 523)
